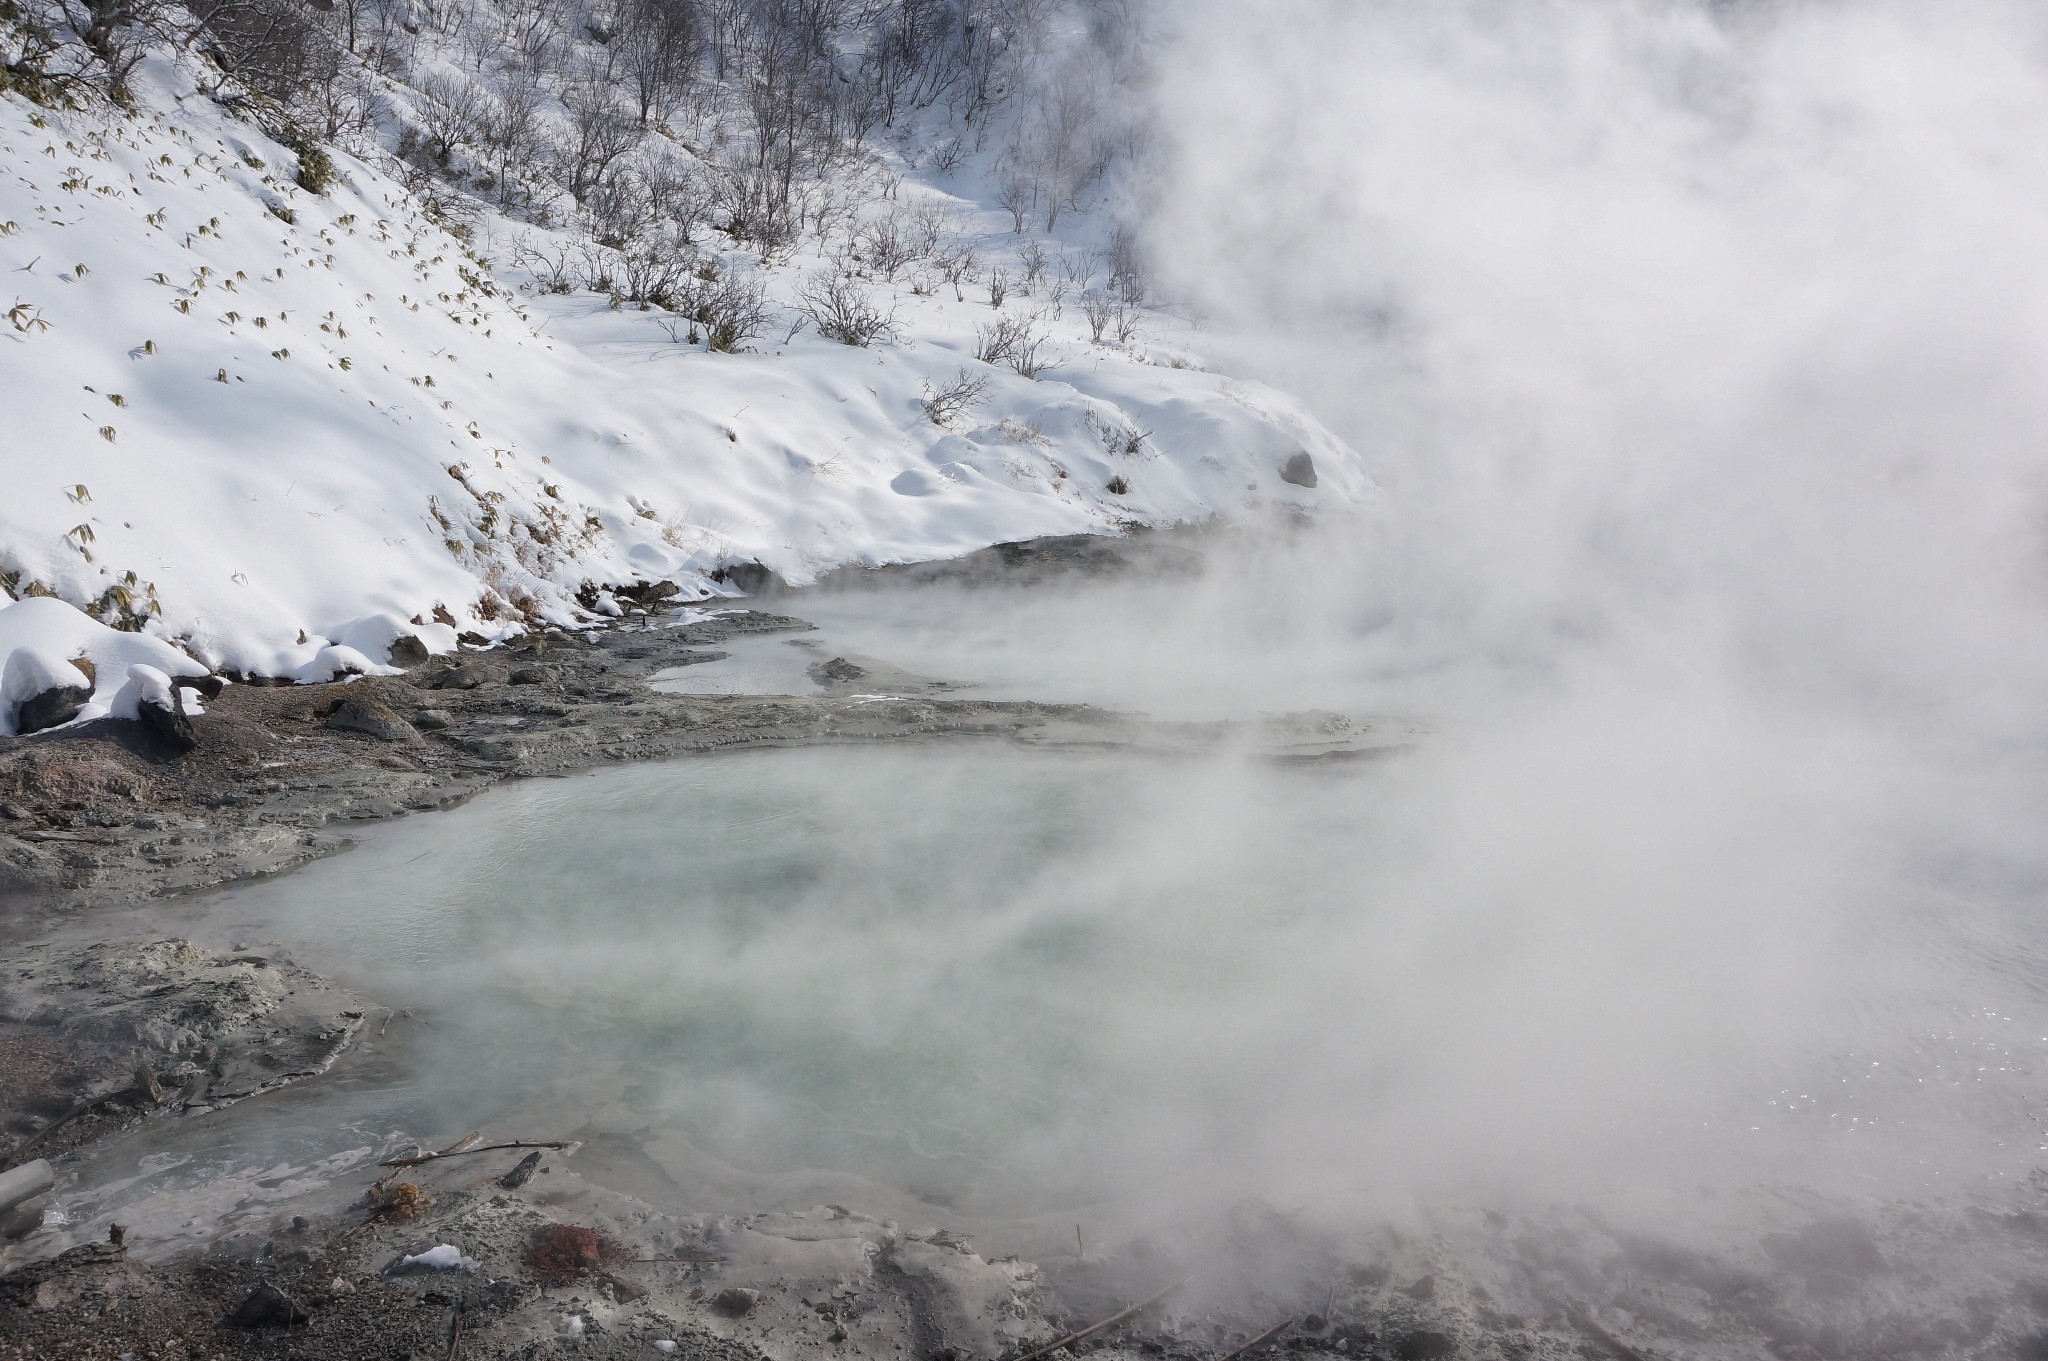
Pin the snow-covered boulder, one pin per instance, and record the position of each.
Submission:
(153, 699)
(43, 693)
(48, 647)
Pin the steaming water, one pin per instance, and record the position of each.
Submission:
(1000, 988)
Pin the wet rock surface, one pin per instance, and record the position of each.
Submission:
(1033, 562)
(96, 1038)
(817, 1284)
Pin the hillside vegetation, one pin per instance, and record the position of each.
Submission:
(329, 323)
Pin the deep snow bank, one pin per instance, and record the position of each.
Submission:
(271, 424)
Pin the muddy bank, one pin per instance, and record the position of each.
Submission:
(100, 815)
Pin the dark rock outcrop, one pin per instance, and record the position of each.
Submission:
(57, 705)
(169, 728)
(267, 1307)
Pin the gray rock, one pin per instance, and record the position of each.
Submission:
(531, 675)
(59, 704)
(751, 578)
(432, 720)
(735, 1301)
(1299, 470)
(368, 716)
(463, 676)
(408, 650)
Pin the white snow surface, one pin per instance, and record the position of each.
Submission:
(283, 443)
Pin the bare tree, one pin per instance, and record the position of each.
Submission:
(1062, 147)
(452, 112)
(659, 41)
(1016, 196)
(270, 47)
(957, 263)
(511, 128)
(1125, 266)
(598, 135)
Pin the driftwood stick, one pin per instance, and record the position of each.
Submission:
(454, 1151)
(1071, 1338)
(1261, 1340)
(455, 1339)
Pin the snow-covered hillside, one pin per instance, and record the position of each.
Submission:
(264, 421)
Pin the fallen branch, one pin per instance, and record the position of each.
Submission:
(1071, 1338)
(455, 1340)
(1261, 1340)
(456, 1150)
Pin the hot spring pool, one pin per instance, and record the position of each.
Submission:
(1007, 989)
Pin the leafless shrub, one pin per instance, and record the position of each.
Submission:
(998, 286)
(1121, 259)
(1016, 341)
(957, 264)
(550, 265)
(655, 271)
(732, 308)
(1125, 322)
(886, 244)
(956, 398)
(932, 223)
(1100, 309)
(1033, 256)
(844, 309)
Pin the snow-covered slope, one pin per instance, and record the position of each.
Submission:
(268, 421)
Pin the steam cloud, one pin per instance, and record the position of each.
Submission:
(1699, 350)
